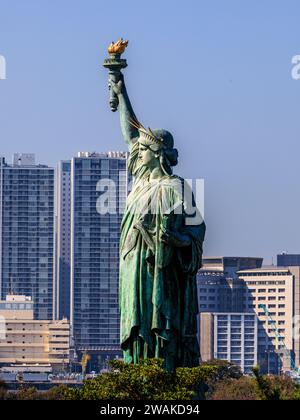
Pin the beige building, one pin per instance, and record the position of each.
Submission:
(26, 341)
(277, 290)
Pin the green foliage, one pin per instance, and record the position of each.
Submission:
(149, 380)
(214, 380)
(244, 388)
(3, 390)
(25, 393)
(55, 393)
(272, 387)
(31, 393)
(258, 387)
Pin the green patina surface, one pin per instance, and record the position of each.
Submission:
(160, 246)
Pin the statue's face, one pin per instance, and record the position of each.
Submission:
(148, 157)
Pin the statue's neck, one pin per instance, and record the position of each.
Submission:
(156, 173)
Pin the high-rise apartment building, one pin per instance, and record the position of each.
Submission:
(63, 239)
(27, 232)
(99, 184)
(231, 337)
(277, 290)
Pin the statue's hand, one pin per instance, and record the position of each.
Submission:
(175, 239)
(116, 87)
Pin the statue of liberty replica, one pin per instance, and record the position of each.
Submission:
(162, 233)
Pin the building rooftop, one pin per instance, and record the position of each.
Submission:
(230, 264)
(265, 269)
(22, 160)
(230, 313)
(231, 258)
(109, 154)
(17, 298)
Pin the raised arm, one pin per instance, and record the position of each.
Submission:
(129, 132)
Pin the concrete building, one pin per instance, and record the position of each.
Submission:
(277, 289)
(230, 336)
(222, 287)
(27, 343)
(99, 184)
(219, 287)
(27, 232)
(288, 260)
(63, 239)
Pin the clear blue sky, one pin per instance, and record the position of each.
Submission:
(216, 73)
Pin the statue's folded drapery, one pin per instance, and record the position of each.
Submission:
(157, 291)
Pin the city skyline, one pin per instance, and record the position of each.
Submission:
(85, 269)
(238, 109)
(269, 259)
(149, 214)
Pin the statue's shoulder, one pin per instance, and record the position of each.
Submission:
(179, 187)
(173, 180)
(173, 184)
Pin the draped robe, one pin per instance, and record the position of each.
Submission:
(157, 289)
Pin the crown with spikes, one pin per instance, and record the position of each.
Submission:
(148, 135)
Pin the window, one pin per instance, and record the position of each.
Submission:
(235, 317)
(105, 164)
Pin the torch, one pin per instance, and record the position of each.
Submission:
(115, 64)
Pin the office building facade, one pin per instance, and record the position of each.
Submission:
(272, 294)
(26, 342)
(27, 232)
(230, 336)
(99, 184)
(219, 287)
(288, 260)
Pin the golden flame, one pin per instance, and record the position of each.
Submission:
(118, 47)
